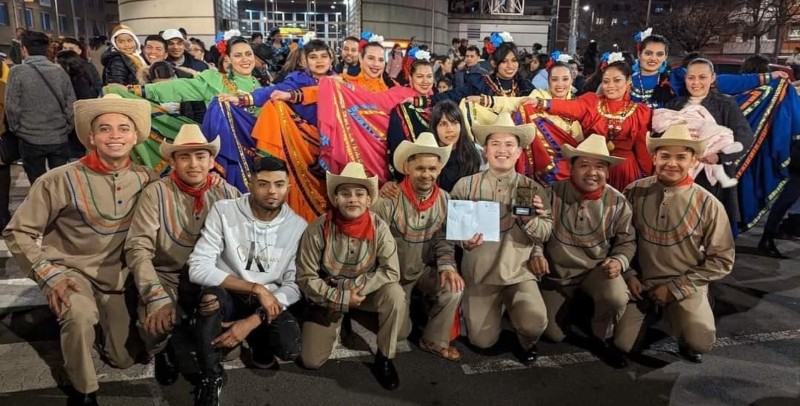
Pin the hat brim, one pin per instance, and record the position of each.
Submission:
(698, 146)
(407, 149)
(168, 149)
(86, 111)
(523, 132)
(569, 152)
(334, 181)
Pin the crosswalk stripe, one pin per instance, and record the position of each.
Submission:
(19, 293)
(562, 360)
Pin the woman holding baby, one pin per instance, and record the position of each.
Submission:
(717, 117)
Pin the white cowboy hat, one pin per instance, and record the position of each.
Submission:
(504, 124)
(592, 147)
(353, 173)
(87, 110)
(425, 144)
(189, 137)
(676, 135)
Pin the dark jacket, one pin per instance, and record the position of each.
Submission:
(190, 62)
(195, 110)
(794, 159)
(97, 82)
(118, 68)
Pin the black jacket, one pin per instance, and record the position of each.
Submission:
(118, 68)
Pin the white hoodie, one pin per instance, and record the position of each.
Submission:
(226, 244)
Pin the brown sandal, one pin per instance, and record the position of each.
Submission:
(450, 353)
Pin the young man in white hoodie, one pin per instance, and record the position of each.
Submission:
(245, 263)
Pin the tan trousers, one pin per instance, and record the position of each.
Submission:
(321, 329)
(154, 344)
(442, 313)
(89, 308)
(483, 307)
(610, 297)
(691, 323)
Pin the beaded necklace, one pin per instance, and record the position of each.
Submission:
(497, 88)
(615, 120)
(233, 89)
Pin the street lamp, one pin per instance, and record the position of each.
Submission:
(591, 23)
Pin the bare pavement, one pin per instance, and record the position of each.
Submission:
(756, 360)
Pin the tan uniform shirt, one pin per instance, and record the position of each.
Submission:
(420, 236)
(163, 233)
(328, 268)
(683, 236)
(504, 262)
(83, 218)
(586, 232)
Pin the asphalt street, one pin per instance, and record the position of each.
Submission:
(756, 360)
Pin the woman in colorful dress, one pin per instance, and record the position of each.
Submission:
(623, 122)
(372, 61)
(655, 84)
(542, 159)
(353, 125)
(234, 77)
(504, 81)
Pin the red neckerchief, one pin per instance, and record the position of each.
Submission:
(93, 162)
(420, 206)
(590, 195)
(197, 193)
(688, 180)
(361, 228)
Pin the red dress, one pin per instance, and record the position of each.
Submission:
(629, 141)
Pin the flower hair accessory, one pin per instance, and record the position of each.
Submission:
(222, 38)
(308, 37)
(416, 53)
(496, 39)
(642, 35)
(367, 37)
(615, 57)
(376, 38)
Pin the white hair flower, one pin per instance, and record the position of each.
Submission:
(506, 36)
(615, 57)
(646, 33)
(231, 33)
(424, 55)
(565, 58)
(309, 36)
(376, 38)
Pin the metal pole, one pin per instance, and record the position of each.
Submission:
(553, 46)
(647, 20)
(433, 24)
(74, 18)
(572, 44)
(58, 21)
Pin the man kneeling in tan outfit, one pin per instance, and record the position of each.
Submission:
(82, 212)
(684, 243)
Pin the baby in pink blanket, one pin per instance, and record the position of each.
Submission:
(702, 126)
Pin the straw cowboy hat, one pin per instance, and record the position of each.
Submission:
(592, 147)
(425, 144)
(189, 137)
(89, 109)
(504, 124)
(353, 173)
(676, 135)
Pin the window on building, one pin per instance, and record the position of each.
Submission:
(46, 3)
(63, 23)
(794, 32)
(614, 21)
(45, 17)
(599, 21)
(29, 17)
(3, 14)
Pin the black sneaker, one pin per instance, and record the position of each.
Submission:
(527, 357)
(612, 356)
(76, 398)
(166, 371)
(262, 357)
(385, 372)
(690, 354)
(208, 391)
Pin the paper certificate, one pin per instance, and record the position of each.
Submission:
(466, 218)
